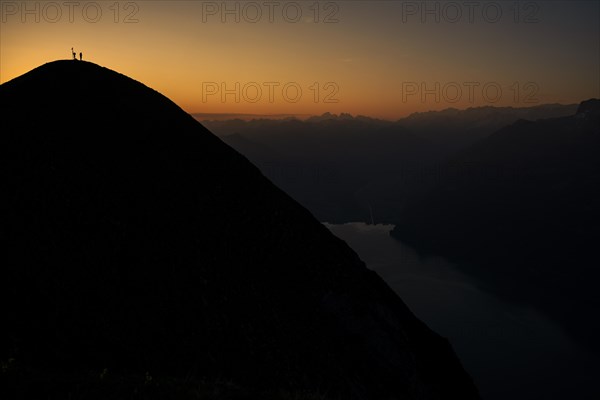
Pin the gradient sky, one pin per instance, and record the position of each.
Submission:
(372, 57)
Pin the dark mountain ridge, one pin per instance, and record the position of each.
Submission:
(139, 243)
(342, 167)
(455, 129)
(526, 219)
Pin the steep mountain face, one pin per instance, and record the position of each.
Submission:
(139, 243)
(521, 211)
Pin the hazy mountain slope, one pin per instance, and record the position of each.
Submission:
(454, 129)
(140, 244)
(337, 167)
(341, 167)
(524, 215)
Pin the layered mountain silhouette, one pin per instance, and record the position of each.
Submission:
(454, 129)
(521, 211)
(342, 168)
(141, 245)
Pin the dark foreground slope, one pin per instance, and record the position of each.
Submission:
(140, 245)
(524, 216)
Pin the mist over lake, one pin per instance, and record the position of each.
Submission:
(512, 351)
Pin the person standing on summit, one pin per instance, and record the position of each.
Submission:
(80, 56)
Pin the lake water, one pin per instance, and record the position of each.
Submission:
(511, 351)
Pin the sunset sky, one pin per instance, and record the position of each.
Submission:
(366, 57)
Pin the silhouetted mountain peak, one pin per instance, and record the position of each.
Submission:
(589, 107)
(138, 241)
(77, 78)
(329, 116)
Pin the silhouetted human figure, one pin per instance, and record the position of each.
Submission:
(80, 56)
(74, 54)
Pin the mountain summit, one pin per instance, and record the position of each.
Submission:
(140, 245)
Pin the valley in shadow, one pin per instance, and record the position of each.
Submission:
(510, 194)
(513, 350)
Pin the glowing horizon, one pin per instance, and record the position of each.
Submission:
(379, 59)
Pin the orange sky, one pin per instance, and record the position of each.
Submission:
(370, 58)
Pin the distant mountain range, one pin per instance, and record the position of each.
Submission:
(145, 258)
(201, 117)
(457, 129)
(341, 167)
